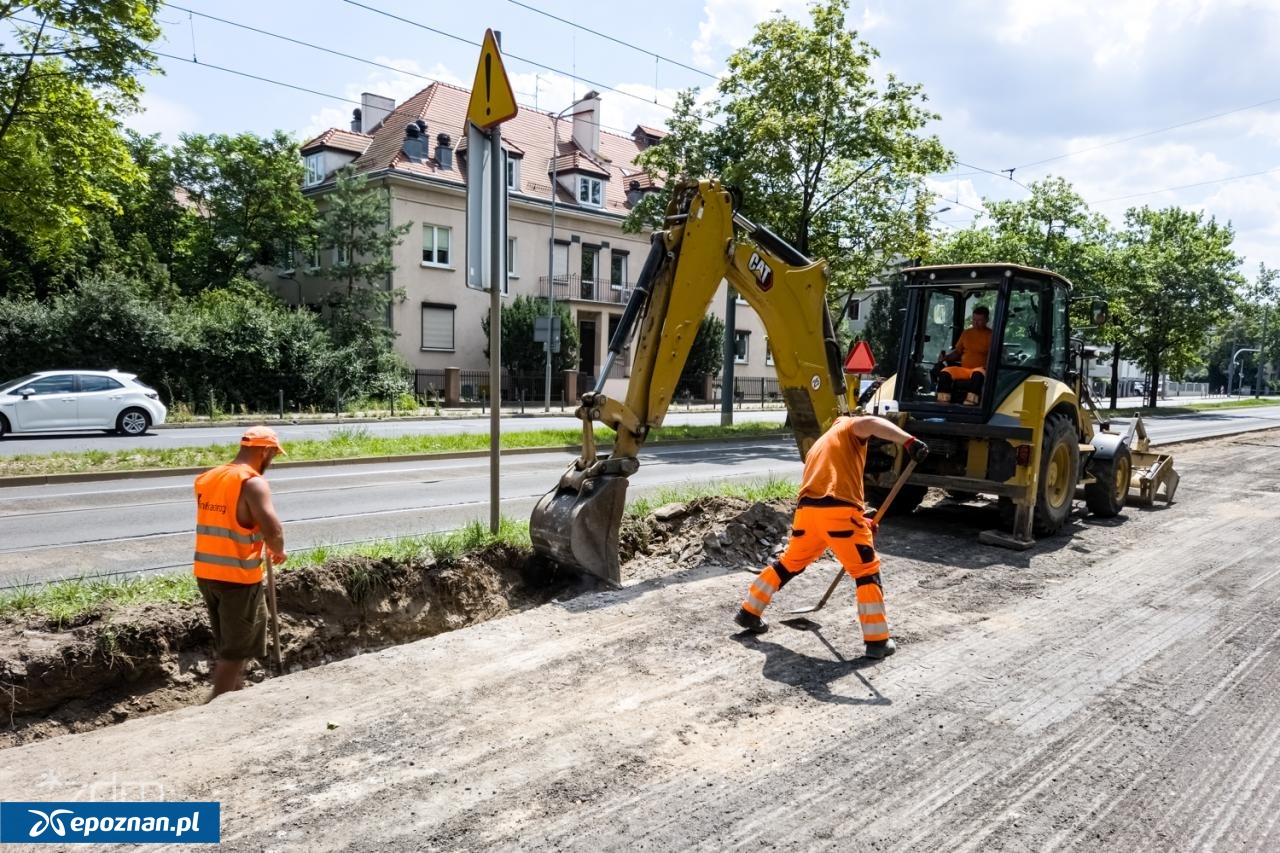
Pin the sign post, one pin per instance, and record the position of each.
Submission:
(492, 102)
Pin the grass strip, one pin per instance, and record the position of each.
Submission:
(346, 443)
(65, 602)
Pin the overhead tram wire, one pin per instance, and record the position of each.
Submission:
(617, 41)
(596, 84)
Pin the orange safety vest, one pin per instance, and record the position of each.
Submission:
(225, 549)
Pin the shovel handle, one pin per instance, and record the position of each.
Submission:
(275, 617)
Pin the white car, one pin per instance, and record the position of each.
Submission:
(78, 400)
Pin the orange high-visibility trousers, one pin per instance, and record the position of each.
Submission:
(814, 529)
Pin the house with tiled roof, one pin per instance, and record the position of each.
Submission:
(416, 150)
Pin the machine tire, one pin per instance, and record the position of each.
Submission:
(907, 499)
(1059, 473)
(133, 421)
(1107, 496)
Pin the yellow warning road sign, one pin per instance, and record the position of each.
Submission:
(492, 101)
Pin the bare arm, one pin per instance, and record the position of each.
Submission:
(256, 495)
(865, 426)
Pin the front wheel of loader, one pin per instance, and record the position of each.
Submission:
(1106, 496)
(1059, 469)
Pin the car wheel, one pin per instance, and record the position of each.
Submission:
(4, 425)
(133, 422)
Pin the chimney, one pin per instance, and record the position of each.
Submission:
(355, 120)
(586, 123)
(444, 151)
(634, 193)
(415, 144)
(373, 109)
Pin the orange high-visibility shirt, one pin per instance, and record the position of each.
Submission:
(225, 549)
(974, 344)
(833, 467)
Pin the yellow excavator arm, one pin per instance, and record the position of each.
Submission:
(704, 242)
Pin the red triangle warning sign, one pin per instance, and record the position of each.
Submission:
(860, 360)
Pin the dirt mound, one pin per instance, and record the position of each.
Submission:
(121, 663)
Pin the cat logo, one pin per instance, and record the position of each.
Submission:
(764, 275)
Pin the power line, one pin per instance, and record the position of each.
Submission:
(1188, 186)
(526, 60)
(1150, 133)
(618, 41)
(1000, 174)
(256, 77)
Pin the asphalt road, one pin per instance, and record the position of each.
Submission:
(130, 525)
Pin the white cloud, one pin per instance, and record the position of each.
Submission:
(402, 85)
(729, 24)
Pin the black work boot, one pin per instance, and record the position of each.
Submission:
(881, 649)
(750, 622)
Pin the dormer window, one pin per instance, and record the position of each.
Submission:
(513, 172)
(591, 191)
(315, 170)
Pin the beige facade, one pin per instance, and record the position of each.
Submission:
(415, 155)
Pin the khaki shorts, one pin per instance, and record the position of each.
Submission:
(238, 616)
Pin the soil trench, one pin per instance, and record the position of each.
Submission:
(116, 664)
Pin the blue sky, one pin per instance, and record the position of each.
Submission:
(1016, 82)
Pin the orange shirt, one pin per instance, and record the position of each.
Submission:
(974, 344)
(833, 467)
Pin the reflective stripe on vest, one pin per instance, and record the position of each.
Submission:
(225, 550)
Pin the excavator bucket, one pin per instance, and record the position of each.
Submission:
(1153, 475)
(577, 523)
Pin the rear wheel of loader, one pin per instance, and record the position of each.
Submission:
(1106, 497)
(907, 499)
(1059, 468)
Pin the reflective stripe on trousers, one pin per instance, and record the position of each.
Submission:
(845, 532)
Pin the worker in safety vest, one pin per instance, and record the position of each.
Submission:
(830, 514)
(234, 521)
(971, 349)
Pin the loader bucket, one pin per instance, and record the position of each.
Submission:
(1152, 474)
(577, 525)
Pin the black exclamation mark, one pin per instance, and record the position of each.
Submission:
(488, 75)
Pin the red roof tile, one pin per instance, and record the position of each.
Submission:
(341, 140)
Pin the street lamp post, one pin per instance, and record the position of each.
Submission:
(1231, 367)
(551, 246)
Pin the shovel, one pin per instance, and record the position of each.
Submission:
(275, 616)
(880, 513)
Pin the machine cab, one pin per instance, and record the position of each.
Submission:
(1028, 322)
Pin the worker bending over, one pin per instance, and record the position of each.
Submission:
(830, 514)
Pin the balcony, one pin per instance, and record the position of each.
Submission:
(574, 288)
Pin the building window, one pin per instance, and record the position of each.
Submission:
(313, 259)
(560, 261)
(512, 270)
(740, 346)
(435, 245)
(855, 310)
(437, 327)
(513, 173)
(591, 191)
(618, 269)
(340, 255)
(768, 353)
(315, 170)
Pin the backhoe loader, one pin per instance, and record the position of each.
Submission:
(1028, 431)
(1027, 438)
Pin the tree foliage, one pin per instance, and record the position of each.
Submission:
(706, 356)
(521, 355)
(1177, 281)
(830, 157)
(249, 209)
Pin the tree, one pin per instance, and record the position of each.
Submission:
(706, 356)
(1178, 274)
(828, 156)
(521, 354)
(245, 193)
(90, 45)
(355, 225)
